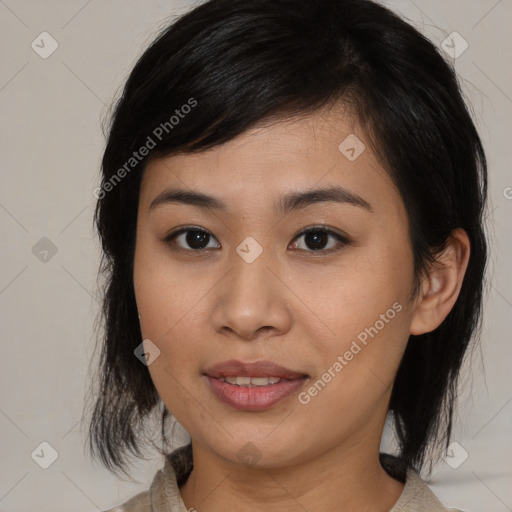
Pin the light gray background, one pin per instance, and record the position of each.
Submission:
(51, 149)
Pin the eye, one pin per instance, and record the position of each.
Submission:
(317, 237)
(196, 238)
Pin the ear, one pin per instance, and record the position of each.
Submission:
(440, 289)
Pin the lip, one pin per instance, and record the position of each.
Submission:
(234, 368)
(253, 398)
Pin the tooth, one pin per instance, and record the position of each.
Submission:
(259, 381)
(250, 381)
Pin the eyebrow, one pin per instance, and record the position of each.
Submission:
(289, 202)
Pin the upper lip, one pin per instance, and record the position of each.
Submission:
(234, 368)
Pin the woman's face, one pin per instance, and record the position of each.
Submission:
(244, 285)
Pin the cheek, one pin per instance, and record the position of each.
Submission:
(165, 305)
(362, 307)
(353, 294)
(165, 294)
(170, 301)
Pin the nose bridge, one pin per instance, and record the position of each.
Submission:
(250, 274)
(250, 296)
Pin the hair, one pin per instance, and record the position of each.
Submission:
(245, 62)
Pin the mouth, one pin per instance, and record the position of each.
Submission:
(253, 386)
(258, 369)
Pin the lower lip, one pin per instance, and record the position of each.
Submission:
(254, 398)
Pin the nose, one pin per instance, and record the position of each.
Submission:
(251, 301)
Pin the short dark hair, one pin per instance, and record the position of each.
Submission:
(247, 61)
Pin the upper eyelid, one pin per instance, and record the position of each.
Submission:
(318, 227)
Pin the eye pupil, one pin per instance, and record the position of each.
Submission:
(196, 239)
(316, 238)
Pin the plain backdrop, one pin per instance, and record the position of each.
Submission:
(51, 139)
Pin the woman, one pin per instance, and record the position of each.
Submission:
(293, 251)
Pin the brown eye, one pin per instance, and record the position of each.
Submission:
(317, 238)
(193, 239)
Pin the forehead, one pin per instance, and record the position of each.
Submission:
(318, 150)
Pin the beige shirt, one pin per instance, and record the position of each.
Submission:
(164, 494)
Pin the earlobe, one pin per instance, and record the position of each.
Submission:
(440, 289)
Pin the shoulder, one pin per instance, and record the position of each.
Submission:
(417, 495)
(163, 494)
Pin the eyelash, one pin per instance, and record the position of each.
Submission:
(342, 239)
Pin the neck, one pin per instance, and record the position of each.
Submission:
(340, 479)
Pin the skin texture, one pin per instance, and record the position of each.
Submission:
(295, 306)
